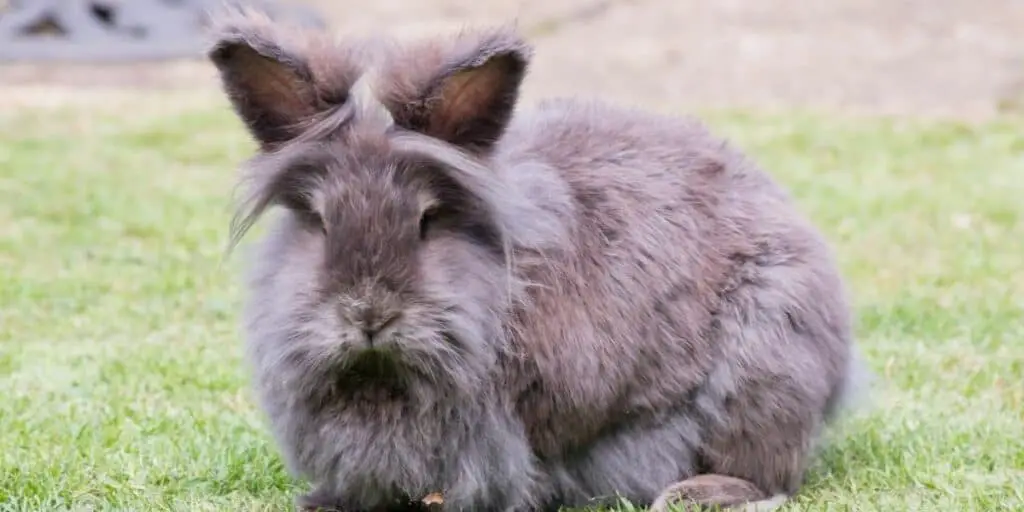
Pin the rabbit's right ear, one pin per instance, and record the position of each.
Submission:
(265, 74)
(463, 90)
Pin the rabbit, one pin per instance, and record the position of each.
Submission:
(517, 307)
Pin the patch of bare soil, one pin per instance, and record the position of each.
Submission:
(908, 57)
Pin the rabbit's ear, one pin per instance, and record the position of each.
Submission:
(468, 95)
(265, 75)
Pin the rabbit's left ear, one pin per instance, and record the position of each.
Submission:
(465, 91)
(277, 77)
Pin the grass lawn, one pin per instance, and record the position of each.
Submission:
(121, 381)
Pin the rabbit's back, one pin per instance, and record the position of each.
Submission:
(673, 241)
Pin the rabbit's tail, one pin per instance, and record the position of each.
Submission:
(851, 391)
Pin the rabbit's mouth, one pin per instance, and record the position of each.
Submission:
(376, 369)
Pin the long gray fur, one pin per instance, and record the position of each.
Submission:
(610, 301)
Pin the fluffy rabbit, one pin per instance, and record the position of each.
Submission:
(518, 309)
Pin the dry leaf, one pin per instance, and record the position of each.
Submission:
(433, 498)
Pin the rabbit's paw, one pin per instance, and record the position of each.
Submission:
(716, 492)
(319, 500)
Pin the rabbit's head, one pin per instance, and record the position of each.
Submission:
(390, 261)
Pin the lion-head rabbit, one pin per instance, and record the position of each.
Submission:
(518, 308)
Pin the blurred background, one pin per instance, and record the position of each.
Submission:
(959, 58)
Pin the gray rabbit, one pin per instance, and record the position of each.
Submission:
(518, 309)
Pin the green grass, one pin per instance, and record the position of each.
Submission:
(121, 381)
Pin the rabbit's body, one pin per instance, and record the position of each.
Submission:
(615, 304)
(684, 267)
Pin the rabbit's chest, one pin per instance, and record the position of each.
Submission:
(397, 453)
(371, 443)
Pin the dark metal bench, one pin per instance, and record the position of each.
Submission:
(118, 30)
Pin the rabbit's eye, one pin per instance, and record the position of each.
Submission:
(426, 220)
(312, 220)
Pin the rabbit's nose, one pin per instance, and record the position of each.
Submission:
(369, 333)
(373, 323)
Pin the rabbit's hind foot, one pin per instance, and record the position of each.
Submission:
(716, 492)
